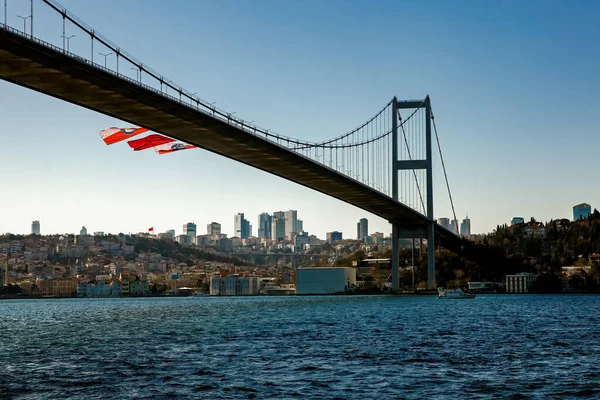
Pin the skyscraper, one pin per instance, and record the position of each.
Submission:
(264, 225)
(241, 226)
(581, 211)
(214, 230)
(291, 223)
(362, 229)
(453, 227)
(465, 227)
(35, 227)
(444, 222)
(278, 229)
(189, 230)
(334, 236)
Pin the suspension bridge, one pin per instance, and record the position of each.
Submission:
(384, 166)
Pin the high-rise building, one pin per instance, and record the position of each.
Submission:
(291, 223)
(35, 227)
(189, 230)
(444, 222)
(278, 229)
(242, 227)
(453, 227)
(334, 236)
(362, 229)
(214, 230)
(171, 233)
(83, 231)
(581, 211)
(517, 220)
(465, 227)
(264, 225)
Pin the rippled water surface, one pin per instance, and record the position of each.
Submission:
(301, 347)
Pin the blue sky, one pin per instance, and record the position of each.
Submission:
(514, 87)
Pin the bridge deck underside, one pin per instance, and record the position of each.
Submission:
(37, 67)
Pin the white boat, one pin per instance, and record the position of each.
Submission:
(454, 294)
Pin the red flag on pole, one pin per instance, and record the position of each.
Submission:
(151, 229)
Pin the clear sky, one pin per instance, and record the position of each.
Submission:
(514, 87)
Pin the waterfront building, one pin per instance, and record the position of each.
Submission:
(520, 283)
(581, 211)
(35, 227)
(517, 220)
(444, 222)
(362, 229)
(189, 230)
(334, 236)
(242, 227)
(57, 287)
(265, 222)
(214, 230)
(325, 280)
(235, 286)
(139, 287)
(465, 227)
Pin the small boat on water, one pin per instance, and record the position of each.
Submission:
(201, 294)
(454, 294)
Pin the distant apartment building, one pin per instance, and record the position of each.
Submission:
(301, 239)
(98, 233)
(35, 227)
(171, 233)
(189, 230)
(183, 239)
(235, 286)
(334, 236)
(535, 231)
(517, 220)
(581, 211)
(265, 222)
(242, 227)
(465, 227)
(83, 230)
(214, 230)
(362, 229)
(520, 283)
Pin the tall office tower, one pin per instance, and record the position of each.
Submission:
(189, 230)
(334, 236)
(278, 229)
(465, 227)
(241, 226)
(291, 223)
(35, 227)
(444, 222)
(362, 229)
(453, 227)
(214, 230)
(264, 225)
(278, 215)
(581, 211)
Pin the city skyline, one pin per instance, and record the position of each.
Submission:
(473, 134)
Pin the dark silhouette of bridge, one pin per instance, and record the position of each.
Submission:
(384, 166)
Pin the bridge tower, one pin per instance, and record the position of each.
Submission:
(426, 164)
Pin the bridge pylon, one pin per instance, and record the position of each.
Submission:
(427, 231)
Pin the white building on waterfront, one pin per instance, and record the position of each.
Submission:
(520, 283)
(324, 280)
(235, 286)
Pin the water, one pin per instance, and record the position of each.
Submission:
(301, 347)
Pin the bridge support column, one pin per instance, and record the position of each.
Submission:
(430, 216)
(395, 259)
(430, 256)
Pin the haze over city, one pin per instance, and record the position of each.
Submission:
(503, 80)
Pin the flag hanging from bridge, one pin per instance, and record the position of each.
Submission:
(172, 147)
(115, 135)
(148, 142)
